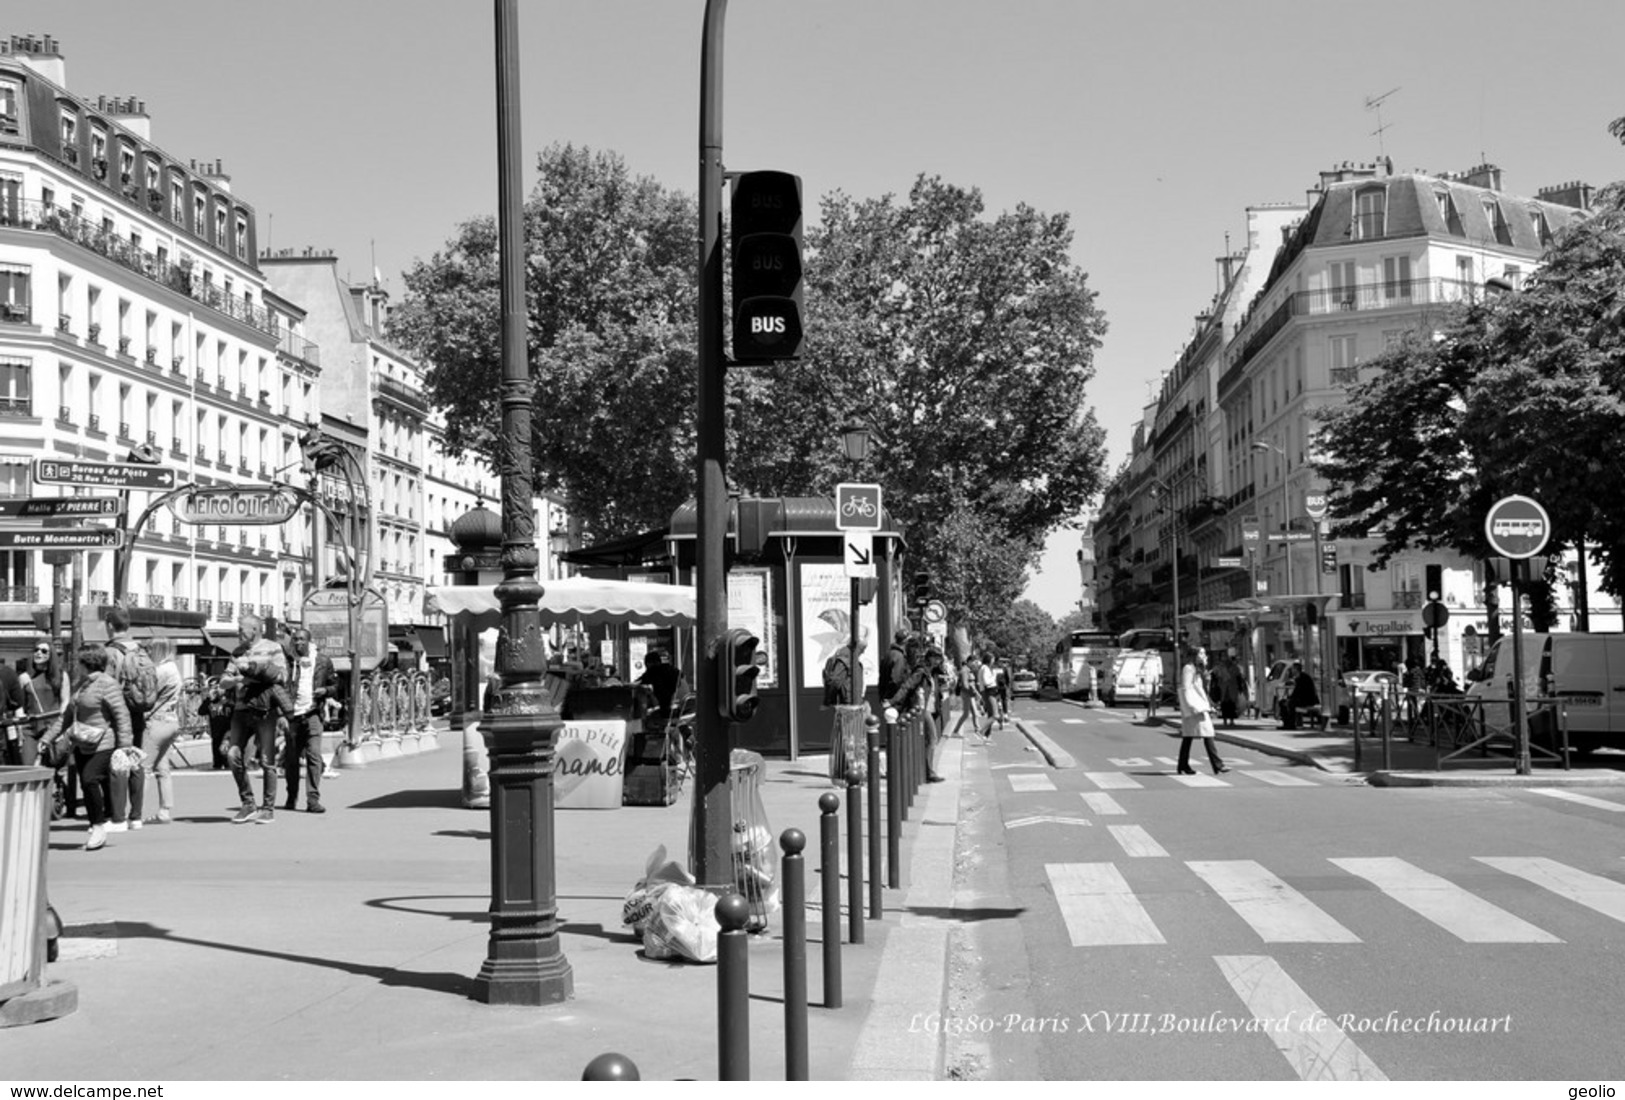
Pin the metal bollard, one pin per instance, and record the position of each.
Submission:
(1359, 706)
(829, 845)
(854, 860)
(872, 733)
(733, 989)
(610, 1067)
(894, 806)
(793, 873)
(1387, 731)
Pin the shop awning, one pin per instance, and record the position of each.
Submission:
(434, 641)
(227, 640)
(584, 600)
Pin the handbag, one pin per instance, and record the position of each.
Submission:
(128, 760)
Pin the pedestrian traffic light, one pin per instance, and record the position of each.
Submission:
(766, 228)
(737, 671)
(922, 589)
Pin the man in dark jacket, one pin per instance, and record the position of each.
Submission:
(311, 681)
(894, 669)
(252, 681)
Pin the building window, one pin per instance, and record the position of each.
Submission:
(242, 238)
(1370, 213)
(1447, 211)
(15, 298)
(1498, 222)
(1344, 368)
(1396, 277)
(177, 202)
(1464, 274)
(8, 108)
(16, 386)
(1340, 284)
(220, 229)
(1543, 230)
(200, 216)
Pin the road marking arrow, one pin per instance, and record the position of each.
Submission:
(1046, 819)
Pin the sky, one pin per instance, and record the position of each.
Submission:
(368, 127)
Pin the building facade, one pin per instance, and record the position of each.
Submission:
(1371, 257)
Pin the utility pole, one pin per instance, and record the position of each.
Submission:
(711, 861)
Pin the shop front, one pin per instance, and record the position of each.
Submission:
(1383, 640)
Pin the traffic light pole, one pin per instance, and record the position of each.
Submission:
(711, 832)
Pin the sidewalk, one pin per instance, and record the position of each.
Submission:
(343, 946)
(1410, 764)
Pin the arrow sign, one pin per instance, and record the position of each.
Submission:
(859, 559)
(1046, 820)
(95, 538)
(60, 506)
(102, 475)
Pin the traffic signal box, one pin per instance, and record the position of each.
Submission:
(922, 589)
(766, 227)
(737, 671)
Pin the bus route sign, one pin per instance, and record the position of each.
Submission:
(1517, 527)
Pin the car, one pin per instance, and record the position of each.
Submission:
(1024, 682)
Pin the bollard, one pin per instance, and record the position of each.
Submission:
(1387, 733)
(793, 876)
(872, 735)
(854, 861)
(610, 1067)
(894, 806)
(1359, 705)
(829, 845)
(733, 989)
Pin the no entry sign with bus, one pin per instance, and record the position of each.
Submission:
(1517, 527)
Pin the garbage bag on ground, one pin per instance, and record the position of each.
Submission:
(682, 925)
(659, 873)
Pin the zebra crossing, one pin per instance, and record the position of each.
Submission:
(1099, 907)
(1162, 770)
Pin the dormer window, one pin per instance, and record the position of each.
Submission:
(1542, 228)
(1370, 213)
(1498, 222)
(1447, 211)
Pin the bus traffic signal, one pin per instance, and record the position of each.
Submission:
(766, 227)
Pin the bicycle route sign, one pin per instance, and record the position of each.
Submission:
(1517, 527)
(857, 506)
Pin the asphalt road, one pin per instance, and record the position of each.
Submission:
(1275, 923)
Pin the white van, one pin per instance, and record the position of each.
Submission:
(1586, 671)
(1136, 674)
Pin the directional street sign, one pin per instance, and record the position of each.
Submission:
(81, 538)
(860, 554)
(102, 475)
(857, 506)
(1517, 527)
(59, 506)
(1291, 536)
(1226, 562)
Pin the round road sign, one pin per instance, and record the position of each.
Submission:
(936, 611)
(1517, 527)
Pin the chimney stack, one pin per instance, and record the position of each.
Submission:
(42, 54)
(1574, 194)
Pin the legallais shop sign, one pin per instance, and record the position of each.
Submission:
(247, 505)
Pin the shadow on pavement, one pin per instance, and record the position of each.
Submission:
(965, 916)
(460, 985)
(442, 798)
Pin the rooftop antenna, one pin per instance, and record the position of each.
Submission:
(1374, 103)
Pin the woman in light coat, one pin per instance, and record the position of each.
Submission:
(1196, 712)
(94, 723)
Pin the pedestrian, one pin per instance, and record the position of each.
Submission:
(132, 667)
(41, 682)
(1303, 701)
(311, 680)
(1151, 684)
(839, 691)
(895, 668)
(913, 697)
(1229, 690)
(252, 679)
(989, 679)
(94, 724)
(216, 706)
(11, 715)
(1196, 712)
(970, 699)
(163, 726)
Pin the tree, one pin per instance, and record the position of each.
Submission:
(966, 343)
(1025, 633)
(610, 292)
(1522, 393)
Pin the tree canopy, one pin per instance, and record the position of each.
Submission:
(1522, 392)
(964, 341)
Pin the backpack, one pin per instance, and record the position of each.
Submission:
(138, 677)
(837, 680)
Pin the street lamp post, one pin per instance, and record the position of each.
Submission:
(1173, 539)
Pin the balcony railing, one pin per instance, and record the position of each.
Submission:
(207, 607)
(16, 406)
(16, 313)
(19, 593)
(398, 391)
(1408, 599)
(1353, 601)
(1253, 335)
(50, 218)
(183, 603)
(154, 600)
(228, 610)
(298, 347)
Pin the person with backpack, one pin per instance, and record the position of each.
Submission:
(131, 666)
(253, 681)
(838, 691)
(94, 724)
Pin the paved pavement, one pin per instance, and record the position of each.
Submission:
(343, 946)
(1406, 763)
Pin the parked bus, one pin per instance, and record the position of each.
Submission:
(1080, 651)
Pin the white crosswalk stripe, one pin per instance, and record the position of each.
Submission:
(1128, 762)
(1277, 912)
(1113, 781)
(1316, 1054)
(1102, 803)
(1199, 780)
(1136, 841)
(1025, 783)
(1464, 915)
(1282, 779)
(1098, 907)
(1593, 891)
(1580, 799)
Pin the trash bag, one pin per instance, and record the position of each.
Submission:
(658, 873)
(682, 925)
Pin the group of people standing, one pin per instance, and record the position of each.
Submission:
(113, 719)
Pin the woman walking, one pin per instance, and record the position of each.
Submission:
(94, 724)
(1196, 712)
(41, 679)
(163, 725)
